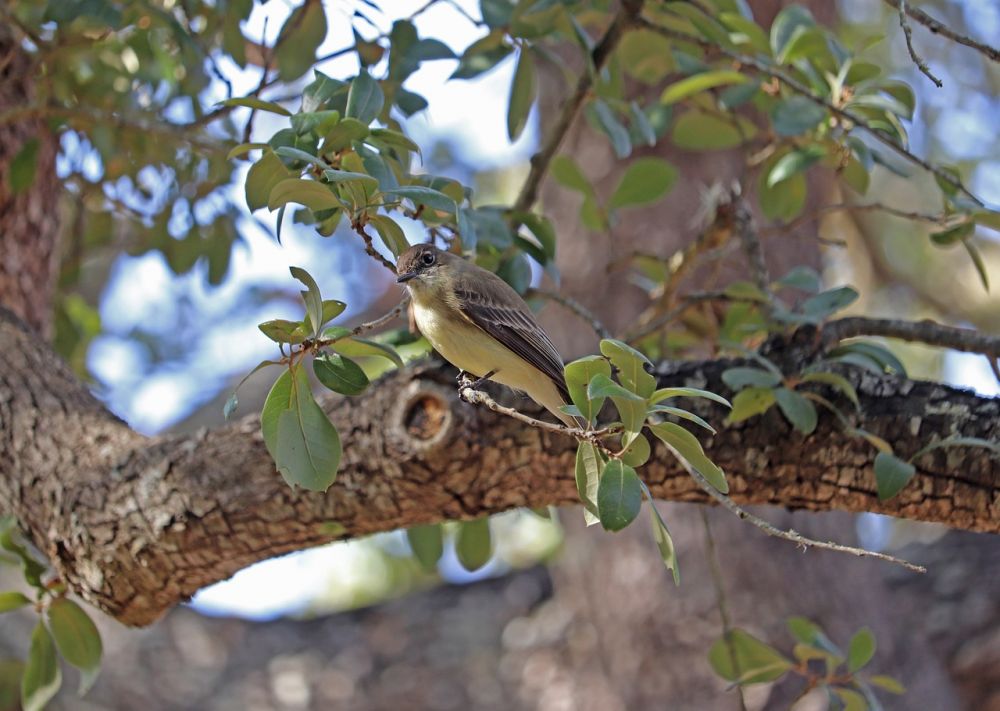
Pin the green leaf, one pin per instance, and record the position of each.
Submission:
(473, 543)
(588, 477)
(42, 678)
(637, 453)
(579, 373)
(823, 304)
(299, 155)
(496, 13)
(860, 650)
(782, 201)
(390, 233)
(77, 638)
(346, 176)
(683, 414)
(631, 365)
(516, 271)
(834, 380)
(661, 534)
(699, 82)
(698, 131)
(801, 277)
(804, 630)
(958, 442)
(612, 127)
(645, 181)
(340, 374)
(750, 402)
(300, 37)
(244, 148)
(365, 99)
(261, 179)
(477, 61)
(978, 263)
(310, 193)
(797, 409)
(522, 94)
(312, 298)
(631, 407)
(688, 447)
(357, 347)
(343, 135)
(851, 700)
(665, 393)
(881, 356)
(741, 377)
(755, 661)
(13, 600)
(298, 434)
(568, 174)
(953, 235)
(789, 22)
(619, 496)
(427, 544)
(888, 683)
(794, 162)
(796, 115)
(891, 474)
(421, 195)
(260, 105)
(642, 128)
(281, 331)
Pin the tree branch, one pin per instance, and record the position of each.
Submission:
(938, 28)
(599, 57)
(908, 34)
(135, 525)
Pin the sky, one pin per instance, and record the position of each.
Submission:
(469, 115)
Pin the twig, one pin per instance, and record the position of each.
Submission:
(396, 311)
(803, 90)
(720, 599)
(743, 222)
(940, 29)
(576, 307)
(938, 219)
(370, 248)
(789, 535)
(933, 334)
(626, 16)
(908, 33)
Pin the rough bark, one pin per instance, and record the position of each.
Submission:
(136, 525)
(29, 220)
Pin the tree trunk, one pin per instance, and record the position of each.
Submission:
(29, 218)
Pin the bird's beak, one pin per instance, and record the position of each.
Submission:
(404, 277)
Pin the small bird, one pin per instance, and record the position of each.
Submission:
(479, 324)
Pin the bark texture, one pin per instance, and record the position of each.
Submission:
(136, 525)
(29, 220)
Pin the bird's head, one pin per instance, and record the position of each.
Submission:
(423, 266)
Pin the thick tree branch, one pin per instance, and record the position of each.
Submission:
(136, 525)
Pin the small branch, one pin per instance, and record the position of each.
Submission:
(933, 334)
(743, 223)
(789, 535)
(908, 33)
(396, 311)
(370, 248)
(937, 219)
(625, 17)
(803, 90)
(576, 307)
(938, 28)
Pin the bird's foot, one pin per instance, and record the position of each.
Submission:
(466, 381)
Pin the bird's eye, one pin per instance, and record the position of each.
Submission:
(427, 259)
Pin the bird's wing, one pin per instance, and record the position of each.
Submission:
(489, 303)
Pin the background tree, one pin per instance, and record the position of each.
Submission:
(159, 185)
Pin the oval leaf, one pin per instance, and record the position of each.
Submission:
(619, 496)
(473, 544)
(42, 678)
(645, 181)
(75, 634)
(427, 544)
(340, 374)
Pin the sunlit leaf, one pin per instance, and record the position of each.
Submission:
(688, 447)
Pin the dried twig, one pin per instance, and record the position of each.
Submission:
(576, 307)
(789, 535)
(938, 219)
(396, 311)
(908, 33)
(370, 248)
(938, 28)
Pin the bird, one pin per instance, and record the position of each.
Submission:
(479, 324)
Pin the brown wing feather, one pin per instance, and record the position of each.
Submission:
(492, 305)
